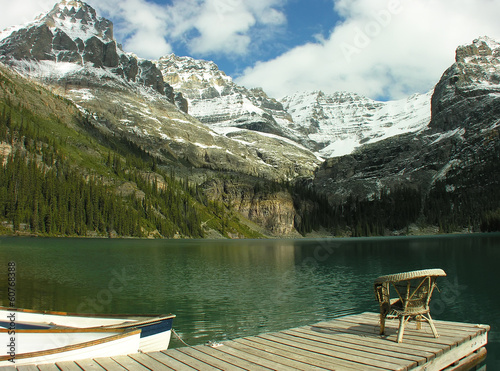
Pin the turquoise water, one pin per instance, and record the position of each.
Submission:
(226, 289)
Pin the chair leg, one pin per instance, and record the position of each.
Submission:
(382, 322)
(431, 323)
(419, 322)
(401, 330)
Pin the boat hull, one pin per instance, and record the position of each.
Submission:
(155, 330)
(32, 347)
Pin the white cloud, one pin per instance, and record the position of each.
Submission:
(22, 11)
(141, 26)
(382, 48)
(222, 30)
(206, 27)
(224, 27)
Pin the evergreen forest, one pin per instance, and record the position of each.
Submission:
(59, 176)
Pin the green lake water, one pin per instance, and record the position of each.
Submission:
(227, 289)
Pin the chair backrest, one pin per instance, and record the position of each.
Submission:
(413, 289)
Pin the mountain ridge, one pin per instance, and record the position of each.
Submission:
(264, 159)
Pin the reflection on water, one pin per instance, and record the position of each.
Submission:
(226, 289)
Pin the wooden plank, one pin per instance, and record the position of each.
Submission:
(391, 331)
(455, 354)
(462, 325)
(351, 351)
(291, 357)
(129, 363)
(8, 368)
(308, 360)
(68, 366)
(363, 330)
(469, 362)
(247, 353)
(375, 339)
(319, 360)
(363, 345)
(89, 365)
(149, 362)
(451, 329)
(48, 367)
(170, 362)
(264, 359)
(208, 359)
(108, 364)
(354, 358)
(27, 368)
(375, 343)
(339, 329)
(231, 359)
(187, 359)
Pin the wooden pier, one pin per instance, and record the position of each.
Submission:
(345, 343)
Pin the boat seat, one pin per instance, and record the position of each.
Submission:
(413, 291)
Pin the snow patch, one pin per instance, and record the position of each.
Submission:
(344, 121)
(448, 134)
(82, 94)
(442, 173)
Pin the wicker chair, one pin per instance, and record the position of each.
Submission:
(413, 292)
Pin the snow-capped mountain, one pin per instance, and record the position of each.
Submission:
(459, 152)
(197, 121)
(341, 122)
(214, 99)
(71, 41)
(329, 125)
(72, 50)
(471, 83)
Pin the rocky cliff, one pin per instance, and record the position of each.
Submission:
(328, 125)
(214, 99)
(73, 33)
(458, 152)
(72, 49)
(467, 93)
(259, 201)
(194, 120)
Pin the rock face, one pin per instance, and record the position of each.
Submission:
(328, 125)
(218, 102)
(72, 48)
(336, 124)
(272, 209)
(72, 32)
(467, 92)
(459, 147)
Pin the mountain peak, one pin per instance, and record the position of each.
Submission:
(78, 20)
(72, 42)
(74, 5)
(482, 50)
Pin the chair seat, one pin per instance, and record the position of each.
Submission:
(398, 307)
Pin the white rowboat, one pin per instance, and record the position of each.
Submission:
(56, 345)
(61, 329)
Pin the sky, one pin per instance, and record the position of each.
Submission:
(383, 49)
